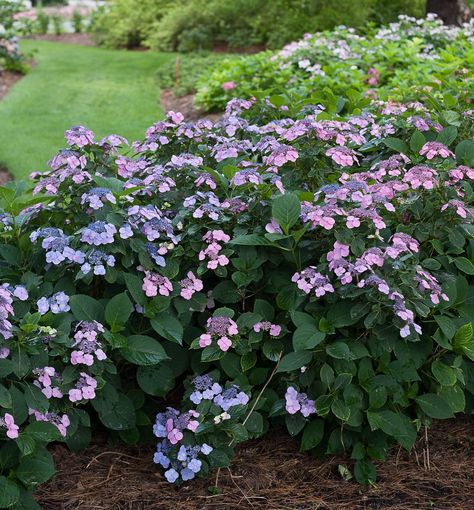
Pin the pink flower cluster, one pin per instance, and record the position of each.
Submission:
(273, 329)
(86, 344)
(310, 280)
(220, 329)
(212, 253)
(84, 389)
(154, 284)
(48, 381)
(8, 422)
(190, 285)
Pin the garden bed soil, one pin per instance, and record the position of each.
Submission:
(7, 80)
(80, 39)
(185, 105)
(271, 474)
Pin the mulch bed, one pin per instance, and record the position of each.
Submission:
(185, 105)
(7, 80)
(81, 39)
(271, 474)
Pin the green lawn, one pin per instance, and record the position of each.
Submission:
(108, 91)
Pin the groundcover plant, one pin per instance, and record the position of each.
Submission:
(392, 62)
(304, 264)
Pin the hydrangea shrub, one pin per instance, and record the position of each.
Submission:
(11, 57)
(305, 264)
(393, 61)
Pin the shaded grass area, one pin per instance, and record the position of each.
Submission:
(108, 91)
(271, 474)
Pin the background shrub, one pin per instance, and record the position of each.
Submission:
(189, 25)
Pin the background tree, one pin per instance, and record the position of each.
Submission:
(452, 12)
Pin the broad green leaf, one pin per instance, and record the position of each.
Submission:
(434, 406)
(286, 210)
(294, 360)
(464, 265)
(168, 327)
(465, 152)
(444, 374)
(364, 472)
(36, 468)
(395, 425)
(134, 285)
(118, 310)
(9, 492)
(312, 435)
(307, 337)
(397, 145)
(143, 350)
(339, 350)
(119, 415)
(86, 308)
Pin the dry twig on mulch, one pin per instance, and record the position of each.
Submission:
(270, 474)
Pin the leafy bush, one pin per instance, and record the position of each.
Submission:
(311, 261)
(391, 62)
(10, 56)
(189, 25)
(127, 23)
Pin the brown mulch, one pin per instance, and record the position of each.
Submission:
(185, 105)
(81, 39)
(7, 80)
(271, 474)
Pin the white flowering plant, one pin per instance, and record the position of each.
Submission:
(399, 61)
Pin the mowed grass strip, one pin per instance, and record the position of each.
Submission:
(108, 91)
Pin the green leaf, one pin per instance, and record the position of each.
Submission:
(134, 285)
(434, 406)
(445, 375)
(294, 423)
(465, 152)
(26, 444)
(341, 410)
(294, 360)
(251, 240)
(463, 340)
(447, 325)
(417, 141)
(286, 210)
(9, 492)
(395, 425)
(143, 350)
(10, 254)
(339, 350)
(307, 337)
(312, 435)
(364, 472)
(36, 468)
(43, 431)
(5, 397)
(156, 382)
(448, 135)
(168, 327)
(118, 415)
(464, 265)
(86, 308)
(396, 144)
(118, 310)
